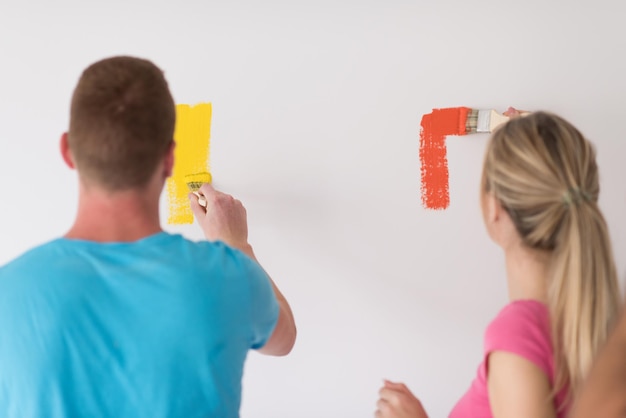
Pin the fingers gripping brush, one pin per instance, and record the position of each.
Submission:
(194, 182)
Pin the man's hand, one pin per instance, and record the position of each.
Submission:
(397, 401)
(224, 219)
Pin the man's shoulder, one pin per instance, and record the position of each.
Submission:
(34, 255)
(164, 251)
(216, 248)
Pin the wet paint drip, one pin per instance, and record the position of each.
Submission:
(191, 155)
(435, 127)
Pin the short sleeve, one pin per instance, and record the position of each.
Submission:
(263, 306)
(523, 328)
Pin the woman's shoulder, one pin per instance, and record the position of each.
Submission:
(523, 312)
(522, 327)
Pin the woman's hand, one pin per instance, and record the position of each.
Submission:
(512, 112)
(397, 401)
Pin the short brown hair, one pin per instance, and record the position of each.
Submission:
(121, 122)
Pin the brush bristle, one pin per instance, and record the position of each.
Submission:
(194, 185)
(195, 181)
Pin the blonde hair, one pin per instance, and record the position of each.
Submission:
(544, 173)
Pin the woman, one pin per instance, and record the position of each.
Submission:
(539, 202)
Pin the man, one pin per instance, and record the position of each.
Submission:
(119, 318)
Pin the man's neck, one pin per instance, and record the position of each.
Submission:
(115, 217)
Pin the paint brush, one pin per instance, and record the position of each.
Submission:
(486, 121)
(195, 181)
(435, 127)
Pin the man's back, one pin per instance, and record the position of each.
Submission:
(156, 327)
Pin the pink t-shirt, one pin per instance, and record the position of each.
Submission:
(522, 328)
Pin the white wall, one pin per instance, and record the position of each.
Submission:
(316, 110)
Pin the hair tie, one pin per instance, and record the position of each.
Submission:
(575, 195)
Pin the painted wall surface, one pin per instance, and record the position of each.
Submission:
(315, 126)
(191, 155)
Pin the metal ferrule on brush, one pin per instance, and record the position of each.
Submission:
(483, 121)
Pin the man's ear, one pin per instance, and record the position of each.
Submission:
(169, 159)
(66, 153)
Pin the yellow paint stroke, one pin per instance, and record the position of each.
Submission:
(191, 156)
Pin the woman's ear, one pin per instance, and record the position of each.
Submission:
(499, 223)
(66, 153)
(491, 208)
(495, 217)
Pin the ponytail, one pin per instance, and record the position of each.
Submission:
(583, 294)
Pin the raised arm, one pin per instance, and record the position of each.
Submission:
(225, 219)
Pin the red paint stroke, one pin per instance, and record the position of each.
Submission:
(435, 127)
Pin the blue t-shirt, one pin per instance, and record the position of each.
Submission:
(159, 327)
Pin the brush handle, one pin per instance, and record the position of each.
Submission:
(498, 119)
(489, 120)
(201, 199)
